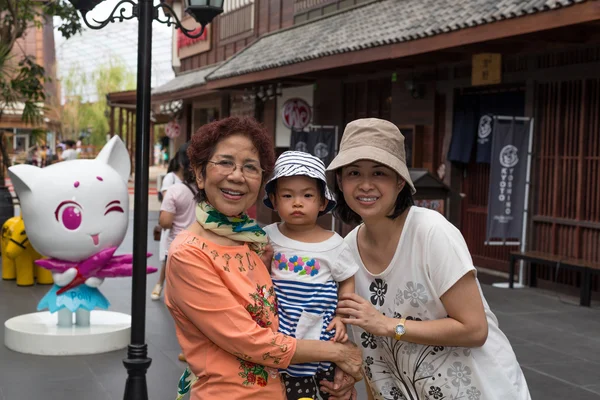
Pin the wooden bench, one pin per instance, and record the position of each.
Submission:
(586, 268)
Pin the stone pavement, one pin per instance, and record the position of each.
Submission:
(556, 341)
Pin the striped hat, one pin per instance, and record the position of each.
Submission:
(298, 163)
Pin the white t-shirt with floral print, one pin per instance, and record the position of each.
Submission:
(431, 257)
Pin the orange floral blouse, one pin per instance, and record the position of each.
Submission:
(223, 303)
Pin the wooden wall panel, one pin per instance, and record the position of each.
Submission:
(221, 54)
(274, 15)
(327, 104)
(287, 13)
(407, 110)
(428, 148)
(566, 206)
(263, 16)
(439, 130)
(239, 45)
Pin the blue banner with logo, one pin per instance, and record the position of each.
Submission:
(473, 123)
(508, 179)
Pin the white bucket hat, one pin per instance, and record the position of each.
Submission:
(297, 163)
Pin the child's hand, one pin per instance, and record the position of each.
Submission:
(340, 330)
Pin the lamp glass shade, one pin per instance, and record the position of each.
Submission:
(210, 3)
(85, 5)
(204, 11)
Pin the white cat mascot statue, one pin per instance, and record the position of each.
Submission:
(76, 213)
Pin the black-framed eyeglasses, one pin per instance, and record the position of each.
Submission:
(227, 167)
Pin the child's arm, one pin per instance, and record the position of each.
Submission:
(346, 286)
(341, 335)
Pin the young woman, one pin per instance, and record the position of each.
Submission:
(219, 290)
(419, 314)
(174, 175)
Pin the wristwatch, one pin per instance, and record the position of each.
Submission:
(400, 329)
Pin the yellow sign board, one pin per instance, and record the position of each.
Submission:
(487, 69)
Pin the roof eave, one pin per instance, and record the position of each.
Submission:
(572, 15)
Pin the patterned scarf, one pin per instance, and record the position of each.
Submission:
(241, 228)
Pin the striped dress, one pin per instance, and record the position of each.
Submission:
(305, 276)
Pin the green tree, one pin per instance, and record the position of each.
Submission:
(79, 116)
(21, 77)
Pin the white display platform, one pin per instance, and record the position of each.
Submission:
(38, 333)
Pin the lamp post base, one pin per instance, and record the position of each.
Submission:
(136, 363)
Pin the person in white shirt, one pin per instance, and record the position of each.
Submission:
(174, 175)
(70, 153)
(419, 315)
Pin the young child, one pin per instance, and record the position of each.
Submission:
(309, 264)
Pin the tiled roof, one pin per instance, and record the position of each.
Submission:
(185, 80)
(375, 24)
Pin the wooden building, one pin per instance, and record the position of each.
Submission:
(411, 62)
(38, 42)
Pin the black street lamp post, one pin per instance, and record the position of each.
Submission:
(203, 11)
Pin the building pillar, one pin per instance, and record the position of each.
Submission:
(112, 121)
(121, 123)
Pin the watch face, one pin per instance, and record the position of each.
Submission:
(400, 330)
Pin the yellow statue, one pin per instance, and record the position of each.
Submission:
(8, 265)
(16, 247)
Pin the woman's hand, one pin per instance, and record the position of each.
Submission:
(341, 336)
(342, 387)
(349, 359)
(361, 313)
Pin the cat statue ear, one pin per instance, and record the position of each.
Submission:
(115, 154)
(22, 177)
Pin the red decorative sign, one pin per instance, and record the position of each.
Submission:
(184, 41)
(296, 113)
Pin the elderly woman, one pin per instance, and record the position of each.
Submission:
(219, 291)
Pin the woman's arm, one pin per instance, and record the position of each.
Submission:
(346, 356)
(165, 219)
(465, 326)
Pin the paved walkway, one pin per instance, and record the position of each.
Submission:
(556, 342)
